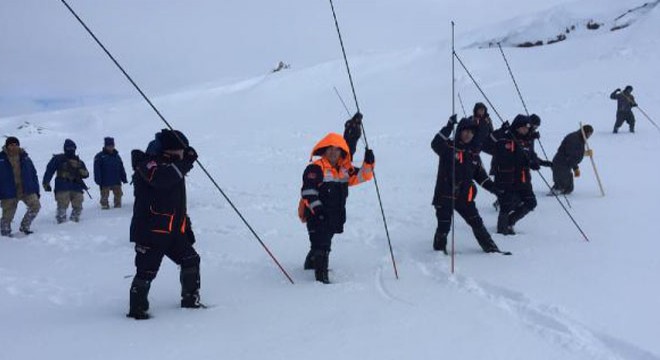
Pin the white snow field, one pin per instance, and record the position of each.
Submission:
(64, 290)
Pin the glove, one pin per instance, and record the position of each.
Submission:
(369, 157)
(506, 125)
(545, 163)
(190, 155)
(535, 165)
(536, 135)
(319, 213)
(576, 172)
(617, 90)
(47, 188)
(453, 120)
(589, 153)
(357, 118)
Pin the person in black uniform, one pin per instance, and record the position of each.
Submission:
(455, 181)
(160, 225)
(625, 101)
(513, 158)
(568, 157)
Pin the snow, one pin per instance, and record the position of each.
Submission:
(64, 290)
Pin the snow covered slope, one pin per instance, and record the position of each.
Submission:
(64, 290)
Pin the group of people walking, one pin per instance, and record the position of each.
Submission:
(19, 182)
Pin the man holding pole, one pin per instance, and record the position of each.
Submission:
(568, 157)
(625, 102)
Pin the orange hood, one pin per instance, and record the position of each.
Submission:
(332, 139)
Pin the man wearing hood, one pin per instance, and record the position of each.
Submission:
(484, 125)
(160, 225)
(625, 101)
(325, 189)
(18, 182)
(69, 184)
(513, 158)
(458, 168)
(109, 173)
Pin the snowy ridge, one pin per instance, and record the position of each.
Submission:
(580, 19)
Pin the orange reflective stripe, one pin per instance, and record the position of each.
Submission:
(170, 224)
(523, 176)
(460, 157)
(513, 146)
(184, 224)
(470, 194)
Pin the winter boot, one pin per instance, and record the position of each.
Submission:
(190, 283)
(30, 215)
(485, 240)
(503, 225)
(321, 259)
(5, 228)
(440, 242)
(61, 215)
(309, 261)
(75, 215)
(105, 207)
(139, 304)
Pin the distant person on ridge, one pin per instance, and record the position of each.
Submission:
(109, 173)
(325, 189)
(18, 182)
(625, 101)
(69, 184)
(160, 225)
(568, 157)
(460, 192)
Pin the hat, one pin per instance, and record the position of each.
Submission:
(173, 140)
(12, 140)
(108, 141)
(628, 89)
(535, 120)
(69, 145)
(478, 106)
(466, 124)
(588, 129)
(520, 121)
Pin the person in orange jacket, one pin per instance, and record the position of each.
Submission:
(325, 189)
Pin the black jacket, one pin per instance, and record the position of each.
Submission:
(624, 101)
(571, 151)
(513, 158)
(468, 168)
(484, 129)
(160, 207)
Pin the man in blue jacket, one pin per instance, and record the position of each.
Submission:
(18, 182)
(69, 184)
(109, 174)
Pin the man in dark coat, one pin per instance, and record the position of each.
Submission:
(455, 189)
(324, 191)
(18, 182)
(513, 158)
(69, 184)
(109, 174)
(568, 157)
(625, 101)
(484, 125)
(160, 225)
